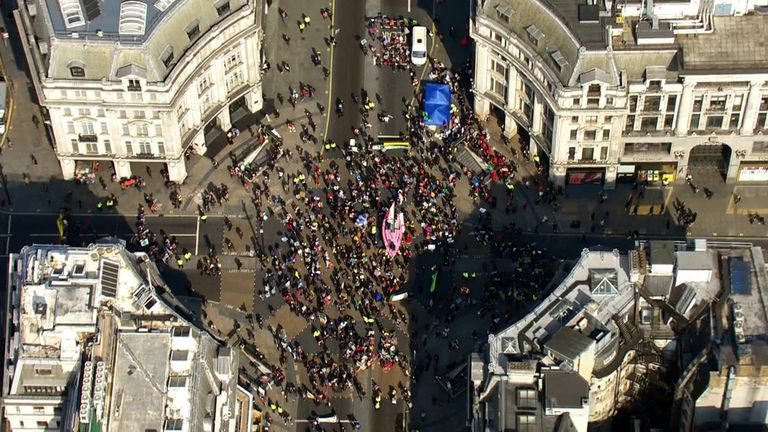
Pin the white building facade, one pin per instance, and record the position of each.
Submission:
(133, 82)
(635, 91)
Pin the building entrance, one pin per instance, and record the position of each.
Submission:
(709, 160)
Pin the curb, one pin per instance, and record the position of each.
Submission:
(9, 102)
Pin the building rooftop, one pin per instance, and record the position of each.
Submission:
(736, 44)
(563, 390)
(139, 380)
(99, 325)
(574, 302)
(568, 343)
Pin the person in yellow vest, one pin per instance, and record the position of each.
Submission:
(180, 261)
(302, 26)
(307, 19)
(187, 255)
(373, 229)
(316, 333)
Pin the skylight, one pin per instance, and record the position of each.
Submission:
(72, 13)
(133, 17)
(162, 5)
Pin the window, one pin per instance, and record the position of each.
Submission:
(499, 87)
(576, 101)
(649, 123)
(38, 410)
(630, 125)
(145, 147)
(698, 103)
(232, 60)
(606, 134)
(91, 147)
(139, 115)
(129, 148)
(737, 101)
(63, 93)
(574, 133)
(590, 135)
(134, 85)
(714, 122)
(591, 119)
(642, 148)
(234, 80)
(587, 154)
(107, 147)
(734, 122)
(223, 8)
(83, 112)
(717, 103)
(695, 121)
(499, 68)
(571, 153)
(603, 153)
(609, 101)
(504, 13)
(42, 424)
(193, 30)
(70, 127)
(158, 130)
(669, 120)
(86, 128)
(67, 112)
(76, 150)
(161, 148)
(593, 90)
(633, 103)
(574, 119)
(203, 84)
(177, 381)
(100, 112)
(167, 57)
(81, 94)
(122, 114)
(671, 103)
(126, 129)
(104, 130)
(77, 71)
(593, 102)
(120, 96)
(652, 103)
(142, 130)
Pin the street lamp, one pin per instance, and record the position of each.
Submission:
(740, 154)
(679, 154)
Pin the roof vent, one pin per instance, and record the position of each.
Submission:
(133, 17)
(534, 34)
(504, 11)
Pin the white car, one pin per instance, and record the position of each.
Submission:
(419, 45)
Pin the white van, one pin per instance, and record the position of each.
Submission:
(419, 45)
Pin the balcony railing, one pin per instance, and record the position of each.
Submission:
(88, 138)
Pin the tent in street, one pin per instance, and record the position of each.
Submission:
(437, 104)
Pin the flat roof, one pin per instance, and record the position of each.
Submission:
(564, 389)
(658, 285)
(568, 343)
(139, 381)
(662, 252)
(737, 43)
(690, 260)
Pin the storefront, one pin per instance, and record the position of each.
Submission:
(753, 172)
(578, 176)
(85, 171)
(647, 173)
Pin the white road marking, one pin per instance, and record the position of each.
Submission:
(8, 236)
(409, 6)
(197, 235)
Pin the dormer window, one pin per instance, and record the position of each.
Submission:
(504, 12)
(534, 34)
(193, 30)
(560, 61)
(223, 8)
(77, 69)
(167, 57)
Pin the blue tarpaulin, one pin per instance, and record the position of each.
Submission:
(437, 104)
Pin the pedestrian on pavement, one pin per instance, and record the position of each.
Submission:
(307, 19)
(283, 14)
(10, 143)
(34, 159)
(736, 198)
(302, 26)
(287, 39)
